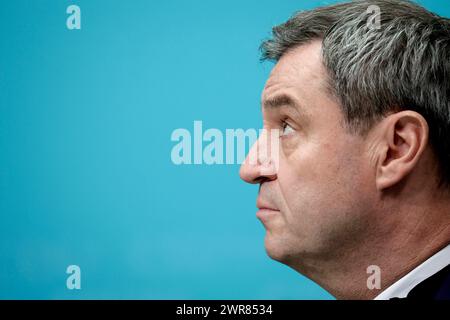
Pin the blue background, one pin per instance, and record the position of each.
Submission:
(86, 176)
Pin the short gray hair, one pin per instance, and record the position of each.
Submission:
(403, 65)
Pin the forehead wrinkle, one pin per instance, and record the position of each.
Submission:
(275, 87)
(299, 69)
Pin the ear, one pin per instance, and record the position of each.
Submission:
(404, 137)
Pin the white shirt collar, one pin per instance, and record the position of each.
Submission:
(425, 270)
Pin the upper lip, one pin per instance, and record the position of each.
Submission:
(261, 204)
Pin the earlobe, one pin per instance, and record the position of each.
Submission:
(404, 139)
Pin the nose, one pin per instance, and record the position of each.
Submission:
(260, 163)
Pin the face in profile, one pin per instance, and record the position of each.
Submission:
(317, 197)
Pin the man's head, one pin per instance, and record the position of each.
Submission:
(364, 120)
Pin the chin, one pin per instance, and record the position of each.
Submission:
(286, 250)
(276, 249)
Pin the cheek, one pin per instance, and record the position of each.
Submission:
(300, 183)
(309, 164)
(318, 180)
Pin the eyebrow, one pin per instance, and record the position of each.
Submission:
(283, 100)
(278, 101)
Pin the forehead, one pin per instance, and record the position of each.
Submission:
(298, 71)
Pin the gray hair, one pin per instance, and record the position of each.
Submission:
(403, 65)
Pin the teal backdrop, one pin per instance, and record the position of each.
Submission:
(86, 176)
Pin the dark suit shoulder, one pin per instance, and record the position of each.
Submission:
(436, 287)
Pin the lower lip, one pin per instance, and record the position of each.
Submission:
(264, 214)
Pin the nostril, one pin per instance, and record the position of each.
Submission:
(260, 181)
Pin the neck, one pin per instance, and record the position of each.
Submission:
(399, 240)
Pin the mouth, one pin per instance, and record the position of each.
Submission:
(265, 214)
(266, 211)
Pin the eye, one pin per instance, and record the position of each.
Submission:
(286, 129)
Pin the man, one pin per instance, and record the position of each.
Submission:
(362, 176)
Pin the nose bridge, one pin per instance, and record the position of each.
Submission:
(263, 151)
(268, 151)
(249, 171)
(258, 152)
